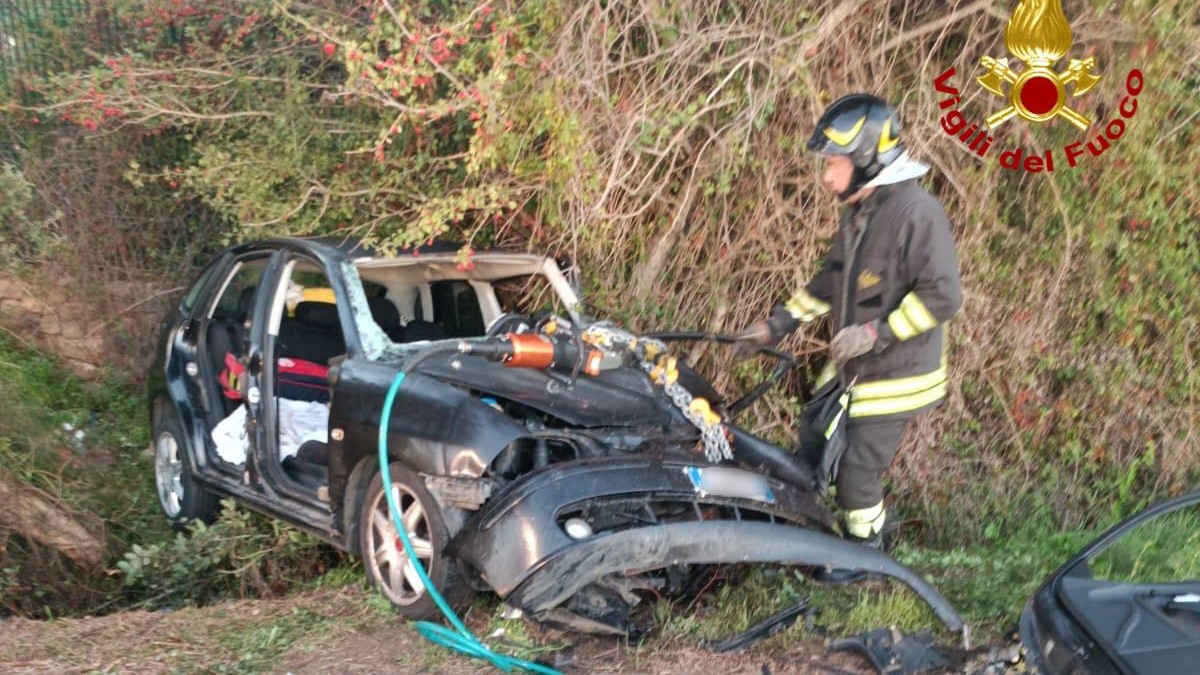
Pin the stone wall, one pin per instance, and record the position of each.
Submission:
(115, 324)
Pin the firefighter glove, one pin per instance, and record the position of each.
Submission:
(753, 338)
(853, 341)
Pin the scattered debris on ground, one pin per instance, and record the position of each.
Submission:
(894, 653)
(763, 629)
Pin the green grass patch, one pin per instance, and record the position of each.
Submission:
(85, 445)
(259, 649)
(988, 583)
(82, 444)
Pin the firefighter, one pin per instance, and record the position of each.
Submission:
(889, 285)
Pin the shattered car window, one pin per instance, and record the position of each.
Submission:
(375, 343)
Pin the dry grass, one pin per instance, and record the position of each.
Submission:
(240, 635)
(344, 631)
(696, 207)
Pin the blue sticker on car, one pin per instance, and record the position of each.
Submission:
(723, 481)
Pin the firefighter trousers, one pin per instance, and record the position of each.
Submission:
(871, 445)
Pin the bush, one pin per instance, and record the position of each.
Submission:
(662, 145)
(16, 194)
(82, 445)
(242, 554)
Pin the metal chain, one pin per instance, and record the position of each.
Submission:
(714, 436)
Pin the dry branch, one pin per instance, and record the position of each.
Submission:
(39, 517)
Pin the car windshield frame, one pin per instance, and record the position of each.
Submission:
(487, 267)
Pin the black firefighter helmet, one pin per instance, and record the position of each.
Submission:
(865, 129)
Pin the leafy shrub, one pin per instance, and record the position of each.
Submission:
(662, 145)
(20, 230)
(242, 554)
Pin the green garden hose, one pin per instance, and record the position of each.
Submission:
(457, 637)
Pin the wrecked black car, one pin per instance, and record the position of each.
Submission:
(1127, 604)
(564, 464)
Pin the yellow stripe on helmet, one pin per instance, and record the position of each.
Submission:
(845, 137)
(886, 140)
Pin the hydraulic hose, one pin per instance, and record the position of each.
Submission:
(457, 637)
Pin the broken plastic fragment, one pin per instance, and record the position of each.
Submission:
(763, 629)
(894, 653)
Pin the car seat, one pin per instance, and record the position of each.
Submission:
(314, 334)
(227, 335)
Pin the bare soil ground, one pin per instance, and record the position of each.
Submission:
(342, 631)
(391, 650)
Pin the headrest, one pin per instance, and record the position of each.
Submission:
(384, 313)
(246, 301)
(320, 314)
(318, 294)
(418, 330)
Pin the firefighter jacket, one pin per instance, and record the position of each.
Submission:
(892, 262)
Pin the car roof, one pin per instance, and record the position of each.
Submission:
(341, 249)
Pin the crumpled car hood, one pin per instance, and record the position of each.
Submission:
(622, 397)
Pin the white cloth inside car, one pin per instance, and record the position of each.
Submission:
(230, 437)
(299, 422)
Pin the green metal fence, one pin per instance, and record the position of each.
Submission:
(24, 25)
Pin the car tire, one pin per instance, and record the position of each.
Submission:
(180, 497)
(384, 559)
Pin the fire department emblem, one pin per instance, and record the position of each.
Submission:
(1039, 36)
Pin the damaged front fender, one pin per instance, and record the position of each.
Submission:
(645, 548)
(437, 429)
(519, 530)
(519, 545)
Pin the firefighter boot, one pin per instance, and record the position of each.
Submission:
(863, 526)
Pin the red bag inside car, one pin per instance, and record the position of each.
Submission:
(296, 379)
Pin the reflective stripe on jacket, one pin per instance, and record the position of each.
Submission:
(892, 260)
